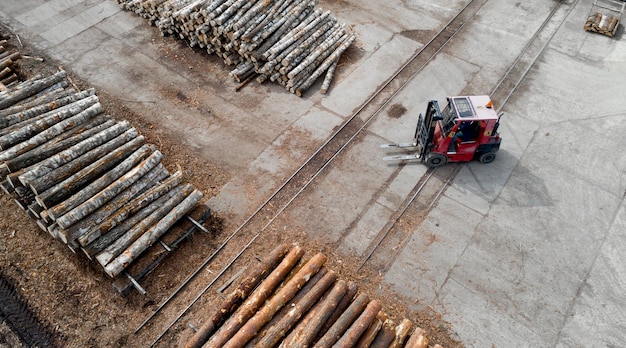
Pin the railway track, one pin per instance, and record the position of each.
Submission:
(391, 239)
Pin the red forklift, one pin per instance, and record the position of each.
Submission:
(465, 130)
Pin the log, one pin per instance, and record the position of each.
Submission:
(359, 326)
(339, 309)
(52, 132)
(82, 226)
(286, 293)
(329, 77)
(7, 99)
(296, 311)
(95, 247)
(119, 178)
(67, 180)
(39, 99)
(418, 339)
(305, 333)
(372, 331)
(117, 247)
(402, 332)
(46, 150)
(132, 207)
(31, 112)
(127, 140)
(73, 152)
(343, 322)
(385, 336)
(236, 297)
(116, 266)
(256, 300)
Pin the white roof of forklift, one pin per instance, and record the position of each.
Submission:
(480, 107)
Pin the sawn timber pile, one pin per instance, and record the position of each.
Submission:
(286, 41)
(285, 301)
(90, 181)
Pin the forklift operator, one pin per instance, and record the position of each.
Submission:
(467, 131)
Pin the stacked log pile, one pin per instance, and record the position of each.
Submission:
(92, 182)
(604, 24)
(285, 301)
(8, 77)
(285, 41)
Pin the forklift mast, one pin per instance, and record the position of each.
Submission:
(425, 129)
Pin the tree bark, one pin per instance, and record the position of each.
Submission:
(118, 179)
(77, 229)
(51, 132)
(42, 98)
(305, 333)
(256, 300)
(123, 242)
(44, 151)
(359, 326)
(130, 208)
(339, 309)
(280, 329)
(127, 141)
(343, 322)
(12, 97)
(277, 301)
(235, 298)
(74, 178)
(372, 331)
(73, 152)
(116, 266)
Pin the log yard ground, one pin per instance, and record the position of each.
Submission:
(527, 251)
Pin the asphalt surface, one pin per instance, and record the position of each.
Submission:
(525, 251)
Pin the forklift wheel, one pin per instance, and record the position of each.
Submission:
(487, 157)
(436, 160)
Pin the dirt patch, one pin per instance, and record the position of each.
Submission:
(396, 111)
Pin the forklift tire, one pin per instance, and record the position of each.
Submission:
(487, 157)
(436, 160)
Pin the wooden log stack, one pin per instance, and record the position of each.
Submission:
(605, 24)
(8, 57)
(285, 41)
(90, 181)
(286, 301)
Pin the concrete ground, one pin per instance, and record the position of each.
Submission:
(525, 251)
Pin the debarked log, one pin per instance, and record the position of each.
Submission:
(236, 297)
(256, 300)
(96, 200)
(402, 332)
(372, 331)
(116, 266)
(418, 339)
(286, 293)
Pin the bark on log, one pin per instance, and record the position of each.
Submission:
(277, 301)
(52, 132)
(95, 247)
(74, 152)
(235, 298)
(304, 335)
(256, 300)
(115, 148)
(359, 326)
(132, 207)
(117, 247)
(79, 228)
(44, 151)
(9, 98)
(117, 185)
(402, 332)
(116, 266)
(280, 329)
(43, 109)
(372, 331)
(418, 339)
(385, 336)
(70, 178)
(343, 322)
(41, 98)
(339, 310)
